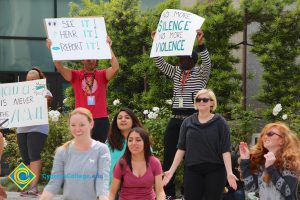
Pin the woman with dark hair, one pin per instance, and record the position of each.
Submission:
(31, 140)
(122, 123)
(138, 171)
(272, 166)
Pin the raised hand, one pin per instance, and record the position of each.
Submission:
(244, 150)
(270, 159)
(153, 34)
(48, 43)
(200, 36)
(108, 40)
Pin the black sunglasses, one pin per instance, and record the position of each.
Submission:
(205, 100)
(271, 133)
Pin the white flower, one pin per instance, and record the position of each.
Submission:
(169, 101)
(4, 142)
(55, 118)
(145, 112)
(152, 115)
(277, 109)
(284, 117)
(116, 102)
(155, 109)
(65, 101)
(54, 115)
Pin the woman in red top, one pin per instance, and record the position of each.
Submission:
(138, 171)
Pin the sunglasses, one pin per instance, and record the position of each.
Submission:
(271, 133)
(205, 100)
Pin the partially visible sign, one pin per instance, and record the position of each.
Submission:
(23, 104)
(175, 33)
(78, 38)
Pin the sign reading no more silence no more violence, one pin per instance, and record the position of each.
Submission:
(175, 33)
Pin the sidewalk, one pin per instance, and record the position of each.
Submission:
(16, 196)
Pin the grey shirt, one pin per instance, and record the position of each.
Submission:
(84, 175)
(43, 128)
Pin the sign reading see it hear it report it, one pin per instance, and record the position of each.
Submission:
(78, 38)
(175, 33)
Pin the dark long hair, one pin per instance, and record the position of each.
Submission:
(115, 138)
(147, 147)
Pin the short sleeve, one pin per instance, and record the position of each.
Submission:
(56, 178)
(75, 76)
(48, 93)
(182, 136)
(102, 185)
(117, 171)
(156, 166)
(102, 74)
(225, 137)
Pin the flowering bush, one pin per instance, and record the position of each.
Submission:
(277, 109)
(116, 102)
(54, 115)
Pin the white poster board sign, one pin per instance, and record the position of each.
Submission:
(78, 38)
(23, 104)
(175, 33)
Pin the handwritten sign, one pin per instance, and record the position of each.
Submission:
(176, 33)
(23, 104)
(78, 38)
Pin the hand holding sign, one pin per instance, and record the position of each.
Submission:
(176, 32)
(200, 36)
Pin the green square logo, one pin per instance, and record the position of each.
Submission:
(22, 176)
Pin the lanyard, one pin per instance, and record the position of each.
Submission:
(89, 84)
(184, 79)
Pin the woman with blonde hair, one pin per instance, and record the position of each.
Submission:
(80, 165)
(204, 143)
(272, 167)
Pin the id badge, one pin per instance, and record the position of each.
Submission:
(91, 100)
(180, 102)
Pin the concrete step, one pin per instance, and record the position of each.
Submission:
(16, 196)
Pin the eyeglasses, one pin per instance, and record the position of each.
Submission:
(205, 100)
(271, 133)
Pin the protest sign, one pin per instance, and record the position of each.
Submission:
(78, 38)
(175, 33)
(23, 104)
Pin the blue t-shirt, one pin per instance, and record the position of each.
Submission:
(115, 156)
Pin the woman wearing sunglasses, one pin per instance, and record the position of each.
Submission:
(272, 167)
(204, 143)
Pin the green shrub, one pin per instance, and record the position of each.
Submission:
(58, 135)
(11, 154)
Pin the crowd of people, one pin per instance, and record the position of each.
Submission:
(116, 161)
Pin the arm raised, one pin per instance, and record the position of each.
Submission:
(64, 71)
